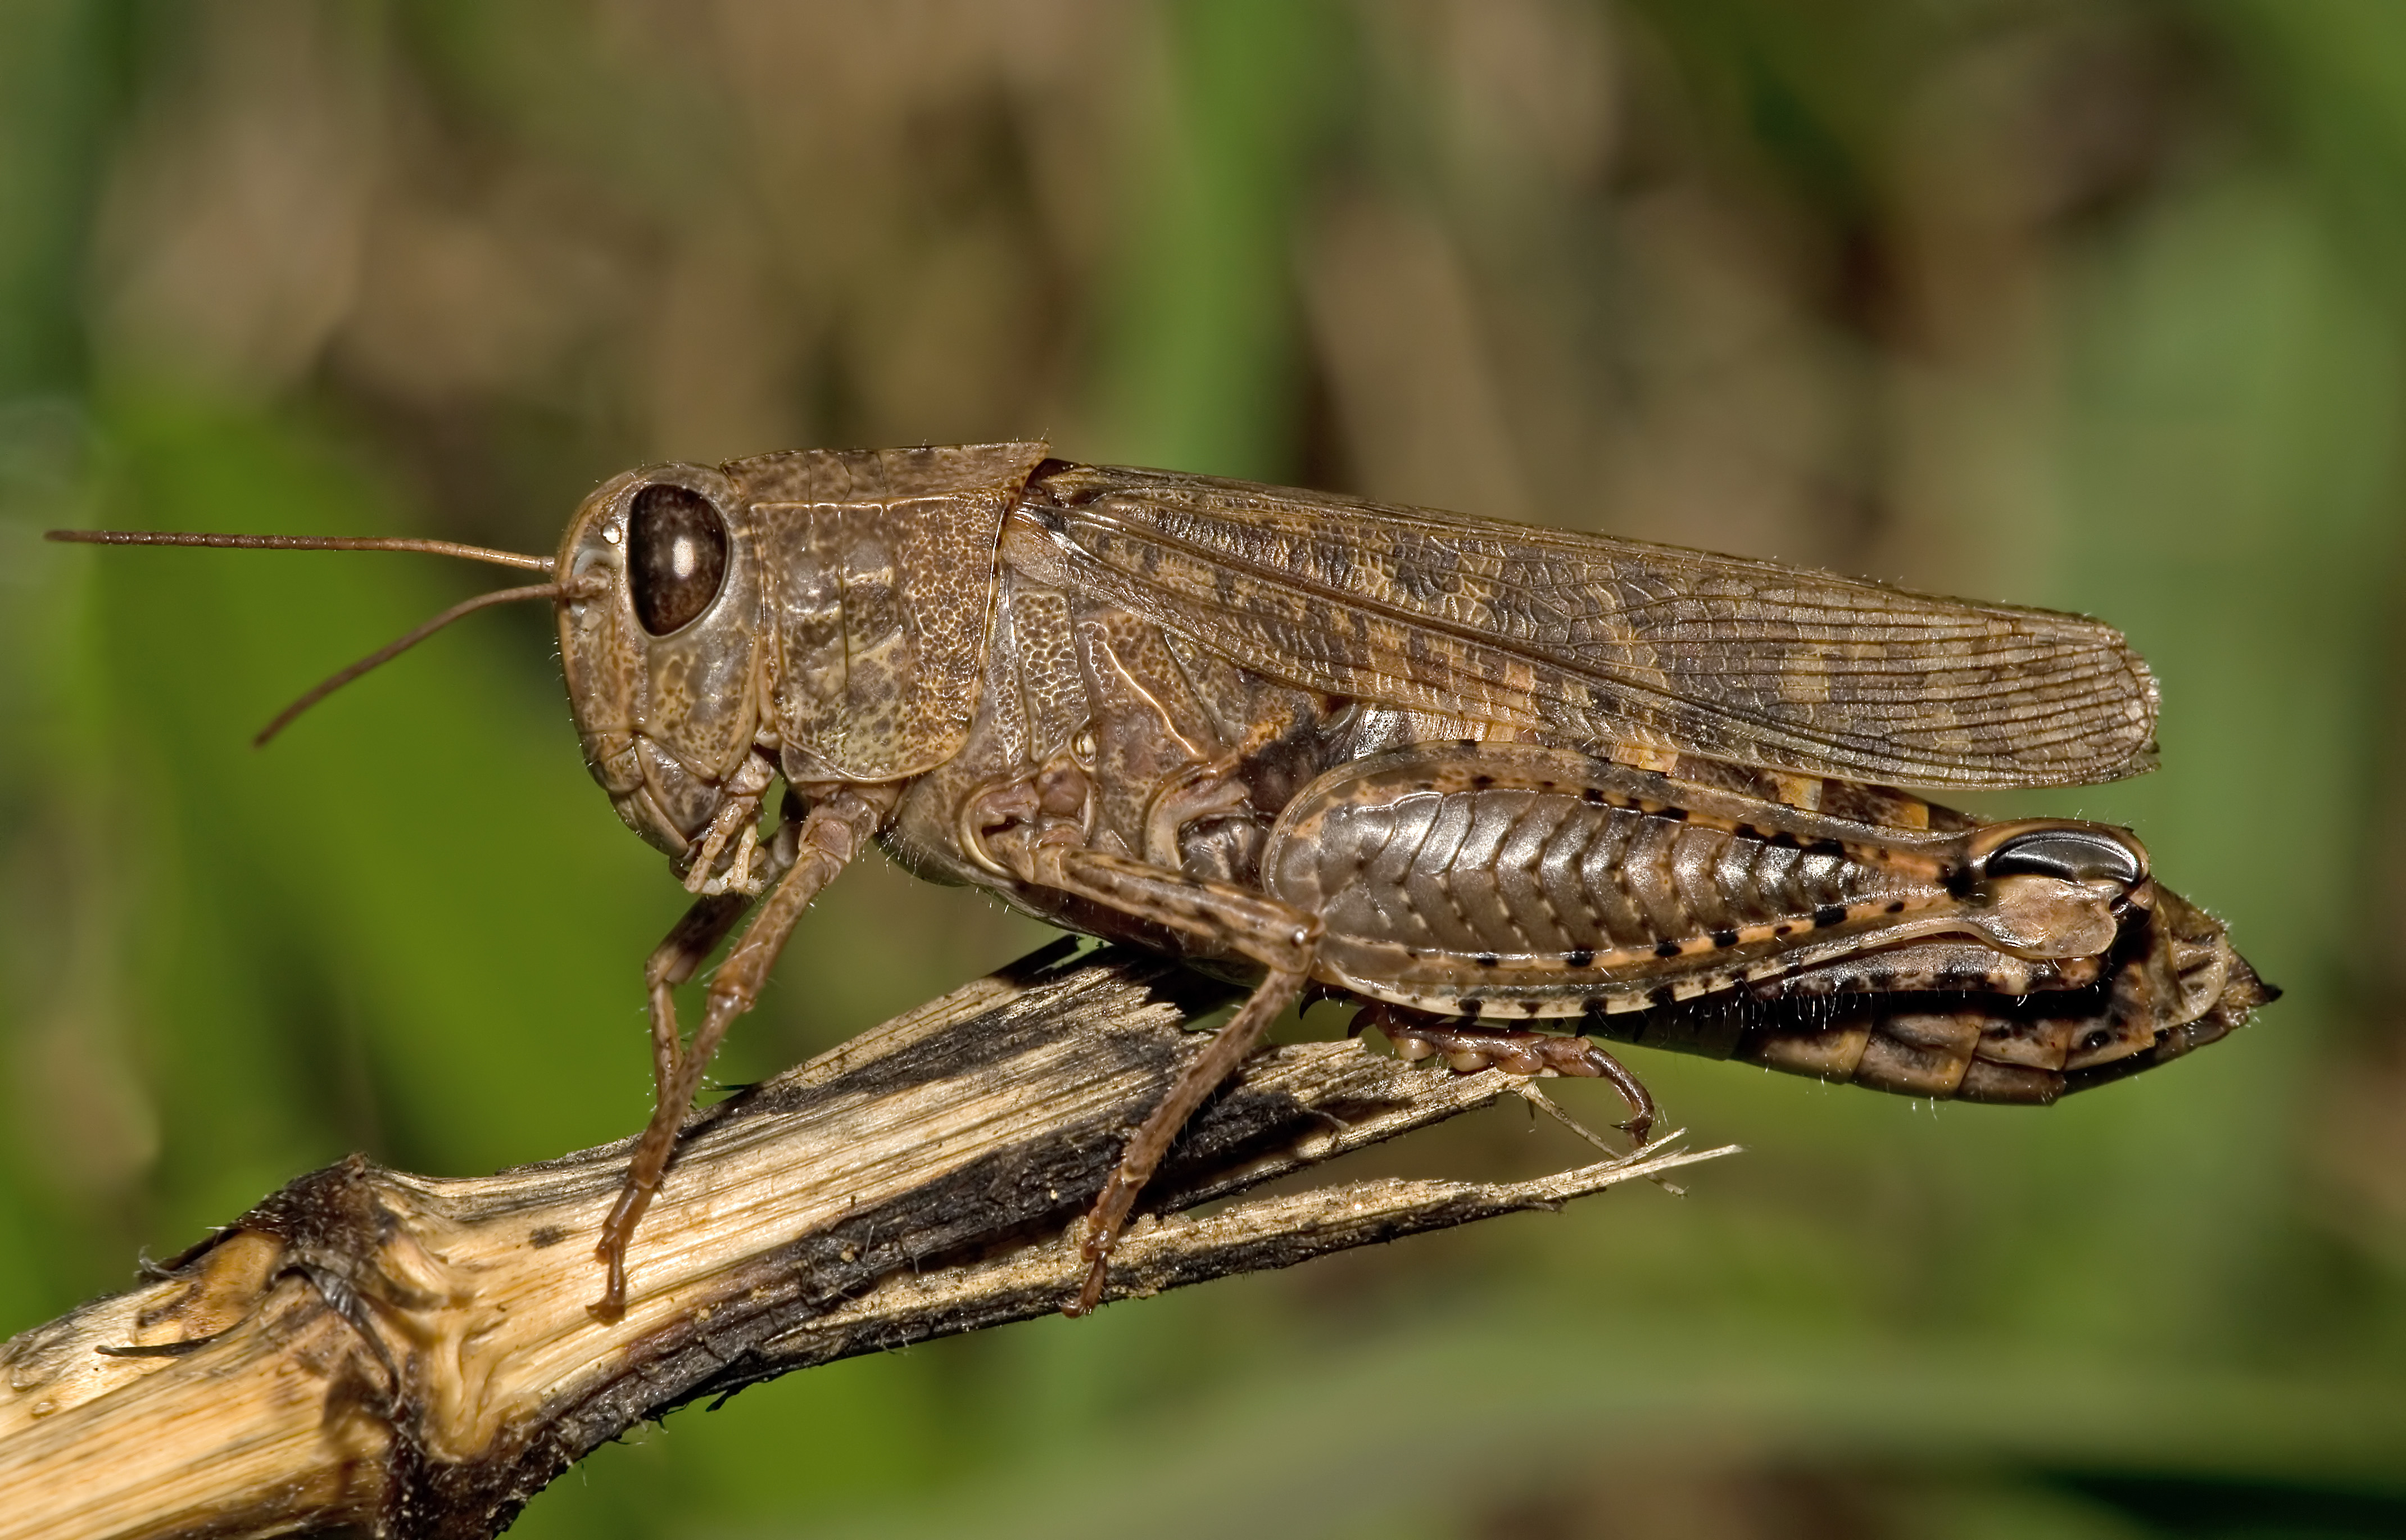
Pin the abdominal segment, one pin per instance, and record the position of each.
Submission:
(1507, 880)
(2171, 983)
(1513, 882)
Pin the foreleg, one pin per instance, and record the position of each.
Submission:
(680, 953)
(830, 835)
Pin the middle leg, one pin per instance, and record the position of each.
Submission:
(1280, 937)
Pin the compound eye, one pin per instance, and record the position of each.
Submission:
(677, 556)
(2069, 855)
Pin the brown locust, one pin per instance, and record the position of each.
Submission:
(1499, 782)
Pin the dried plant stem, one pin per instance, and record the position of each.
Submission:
(415, 1355)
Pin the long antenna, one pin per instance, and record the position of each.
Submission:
(383, 654)
(300, 543)
(394, 648)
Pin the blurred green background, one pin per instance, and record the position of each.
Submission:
(2099, 304)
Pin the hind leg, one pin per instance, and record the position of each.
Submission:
(1468, 1048)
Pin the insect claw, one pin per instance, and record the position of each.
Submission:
(611, 1308)
(1090, 1292)
(1636, 1127)
(1596, 1062)
(1316, 993)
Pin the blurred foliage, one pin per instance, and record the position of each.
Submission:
(2092, 303)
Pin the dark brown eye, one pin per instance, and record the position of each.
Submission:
(677, 556)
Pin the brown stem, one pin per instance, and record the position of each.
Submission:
(412, 1355)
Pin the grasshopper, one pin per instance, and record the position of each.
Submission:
(1485, 779)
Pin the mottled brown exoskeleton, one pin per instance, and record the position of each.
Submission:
(1476, 775)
